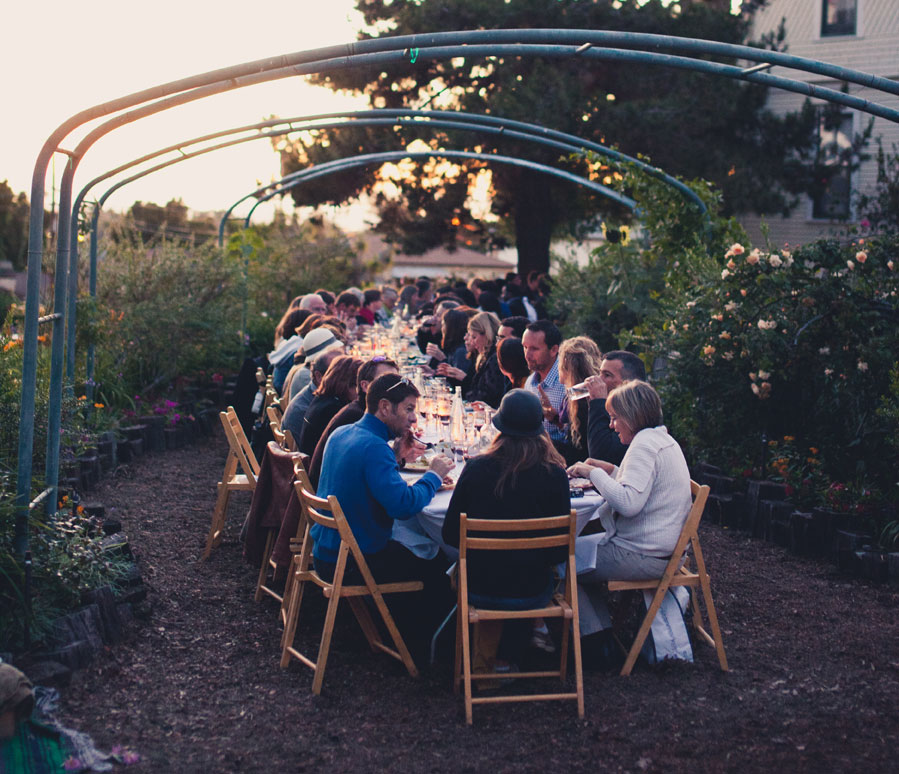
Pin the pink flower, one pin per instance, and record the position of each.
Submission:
(861, 256)
(851, 265)
(737, 248)
(754, 257)
(731, 265)
(708, 350)
(890, 265)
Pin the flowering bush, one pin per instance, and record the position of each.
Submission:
(785, 342)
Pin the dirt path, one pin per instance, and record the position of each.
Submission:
(814, 684)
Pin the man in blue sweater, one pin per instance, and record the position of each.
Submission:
(361, 469)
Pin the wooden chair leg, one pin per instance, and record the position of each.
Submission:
(395, 635)
(643, 632)
(214, 538)
(573, 624)
(466, 665)
(713, 621)
(322, 660)
(369, 629)
(457, 666)
(264, 566)
(288, 587)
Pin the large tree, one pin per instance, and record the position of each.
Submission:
(14, 211)
(688, 124)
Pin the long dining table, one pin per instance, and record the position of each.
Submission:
(422, 534)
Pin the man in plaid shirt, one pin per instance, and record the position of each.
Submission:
(541, 342)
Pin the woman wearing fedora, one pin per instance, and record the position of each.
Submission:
(520, 476)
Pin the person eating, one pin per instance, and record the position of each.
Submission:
(647, 500)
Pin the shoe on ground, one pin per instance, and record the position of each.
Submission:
(542, 640)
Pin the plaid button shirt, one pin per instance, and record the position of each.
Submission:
(557, 395)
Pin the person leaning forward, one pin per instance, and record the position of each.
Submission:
(361, 469)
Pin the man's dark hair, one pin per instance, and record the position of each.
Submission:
(322, 363)
(422, 285)
(489, 303)
(489, 286)
(631, 365)
(348, 299)
(517, 324)
(390, 387)
(371, 295)
(326, 295)
(369, 369)
(551, 334)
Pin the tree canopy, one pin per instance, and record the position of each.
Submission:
(686, 123)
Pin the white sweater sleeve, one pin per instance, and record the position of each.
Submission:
(631, 486)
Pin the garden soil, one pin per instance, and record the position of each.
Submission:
(196, 687)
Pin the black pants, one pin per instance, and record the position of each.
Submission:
(416, 614)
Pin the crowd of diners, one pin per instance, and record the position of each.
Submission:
(355, 418)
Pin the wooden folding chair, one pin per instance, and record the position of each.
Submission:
(556, 531)
(268, 571)
(317, 512)
(678, 574)
(240, 457)
(284, 437)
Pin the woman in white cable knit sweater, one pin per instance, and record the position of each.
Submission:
(647, 499)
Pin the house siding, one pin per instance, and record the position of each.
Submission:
(874, 49)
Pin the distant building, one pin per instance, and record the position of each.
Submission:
(858, 34)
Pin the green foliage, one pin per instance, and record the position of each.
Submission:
(161, 312)
(624, 284)
(786, 345)
(881, 206)
(67, 560)
(14, 211)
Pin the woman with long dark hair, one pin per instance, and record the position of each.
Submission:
(520, 476)
(579, 358)
(338, 388)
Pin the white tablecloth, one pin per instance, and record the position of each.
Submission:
(422, 533)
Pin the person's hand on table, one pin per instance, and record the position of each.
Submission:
(441, 465)
(435, 352)
(597, 388)
(583, 469)
(408, 448)
(427, 370)
(445, 369)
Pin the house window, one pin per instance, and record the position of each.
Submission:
(838, 17)
(832, 200)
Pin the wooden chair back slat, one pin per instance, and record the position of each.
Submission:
(563, 606)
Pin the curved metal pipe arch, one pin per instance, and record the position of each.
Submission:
(199, 86)
(340, 165)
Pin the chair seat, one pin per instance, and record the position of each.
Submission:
(683, 578)
(239, 482)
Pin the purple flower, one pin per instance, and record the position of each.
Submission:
(130, 757)
(170, 404)
(72, 764)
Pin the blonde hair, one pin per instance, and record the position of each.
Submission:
(638, 404)
(579, 358)
(488, 324)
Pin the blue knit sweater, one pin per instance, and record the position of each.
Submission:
(360, 468)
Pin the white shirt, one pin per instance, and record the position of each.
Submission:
(647, 497)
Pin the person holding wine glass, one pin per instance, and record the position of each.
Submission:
(485, 382)
(579, 359)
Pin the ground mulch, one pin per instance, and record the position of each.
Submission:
(196, 686)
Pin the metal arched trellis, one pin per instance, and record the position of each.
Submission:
(410, 49)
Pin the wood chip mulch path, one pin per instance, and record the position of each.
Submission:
(196, 686)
